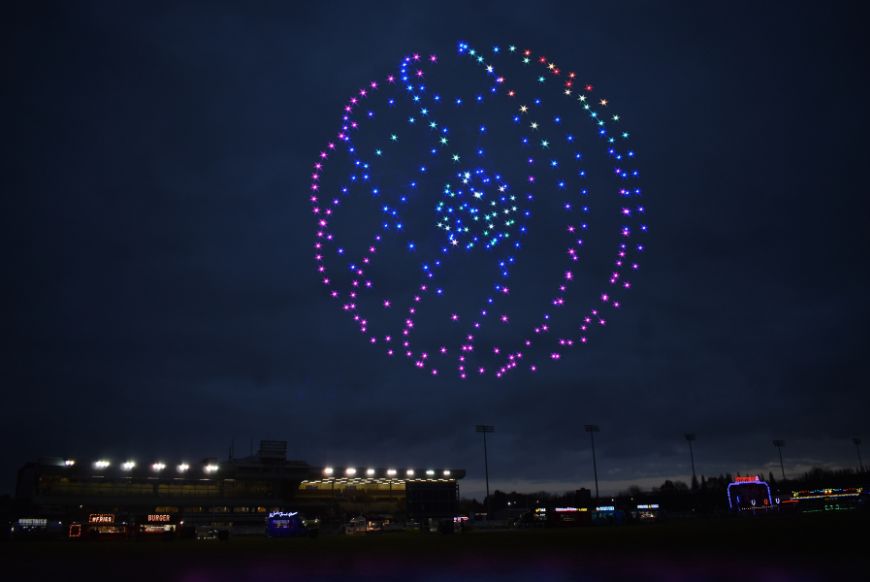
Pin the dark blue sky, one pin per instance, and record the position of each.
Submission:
(161, 299)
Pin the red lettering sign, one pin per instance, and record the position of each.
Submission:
(101, 518)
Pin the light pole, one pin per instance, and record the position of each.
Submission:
(483, 429)
(690, 438)
(778, 443)
(857, 442)
(592, 429)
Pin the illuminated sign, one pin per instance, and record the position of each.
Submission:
(101, 518)
(648, 506)
(33, 522)
(565, 509)
(827, 493)
(747, 492)
(158, 517)
(75, 530)
(605, 508)
(285, 524)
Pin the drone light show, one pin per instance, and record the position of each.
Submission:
(478, 213)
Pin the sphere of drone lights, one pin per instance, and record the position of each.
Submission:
(478, 207)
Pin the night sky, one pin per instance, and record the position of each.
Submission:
(161, 300)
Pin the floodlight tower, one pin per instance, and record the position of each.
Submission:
(779, 443)
(483, 429)
(690, 438)
(857, 442)
(592, 429)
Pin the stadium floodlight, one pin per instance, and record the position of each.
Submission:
(183, 467)
(69, 463)
(158, 466)
(328, 471)
(211, 468)
(370, 472)
(350, 472)
(592, 429)
(484, 429)
(409, 473)
(857, 442)
(690, 438)
(779, 443)
(128, 465)
(391, 472)
(102, 464)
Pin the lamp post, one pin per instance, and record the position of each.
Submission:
(778, 443)
(483, 429)
(690, 438)
(592, 429)
(857, 443)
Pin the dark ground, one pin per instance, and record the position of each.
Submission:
(804, 547)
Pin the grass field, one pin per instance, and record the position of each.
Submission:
(798, 547)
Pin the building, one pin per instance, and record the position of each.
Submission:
(236, 493)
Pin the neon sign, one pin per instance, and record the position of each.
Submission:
(101, 518)
(735, 501)
(158, 517)
(747, 479)
(827, 493)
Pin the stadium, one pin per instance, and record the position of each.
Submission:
(110, 498)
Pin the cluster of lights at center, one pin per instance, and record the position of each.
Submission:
(477, 208)
(470, 216)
